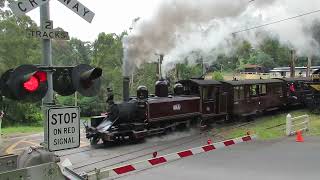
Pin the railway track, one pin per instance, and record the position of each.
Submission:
(109, 161)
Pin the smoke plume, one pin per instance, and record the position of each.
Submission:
(188, 29)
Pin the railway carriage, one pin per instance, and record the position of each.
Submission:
(250, 97)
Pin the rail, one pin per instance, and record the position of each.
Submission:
(292, 124)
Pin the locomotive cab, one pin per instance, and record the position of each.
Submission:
(296, 90)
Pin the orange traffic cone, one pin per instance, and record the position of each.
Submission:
(299, 137)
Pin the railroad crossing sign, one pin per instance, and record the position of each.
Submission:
(79, 9)
(49, 33)
(21, 7)
(63, 128)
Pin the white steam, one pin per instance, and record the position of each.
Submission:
(189, 30)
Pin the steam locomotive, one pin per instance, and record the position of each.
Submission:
(195, 101)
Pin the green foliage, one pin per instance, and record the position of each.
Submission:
(33, 116)
(15, 47)
(187, 71)
(261, 58)
(71, 52)
(278, 52)
(107, 54)
(217, 76)
(146, 76)
(22, 113)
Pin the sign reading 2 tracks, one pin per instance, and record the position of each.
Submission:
(63, 128)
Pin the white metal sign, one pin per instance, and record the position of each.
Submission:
(23, 6)
(63, 128)
(79, 9)
(49, 34)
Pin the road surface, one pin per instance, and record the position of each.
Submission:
(281, 159)
(15, 145)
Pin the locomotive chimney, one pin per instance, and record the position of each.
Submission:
(159, 70)
(125, 91)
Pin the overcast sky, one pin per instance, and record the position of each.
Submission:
(111, 16)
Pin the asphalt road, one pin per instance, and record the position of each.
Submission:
(15, 145)
(281, 159)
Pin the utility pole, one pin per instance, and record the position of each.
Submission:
(161, 56)
(76, 99)
(47, 61)
(203, 66)
(308, 73)
(292, 64)
(177, 72)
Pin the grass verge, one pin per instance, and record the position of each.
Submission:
(18, 130)
(262, 125)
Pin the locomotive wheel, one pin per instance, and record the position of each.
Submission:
(173, 128)
(107, 143)
(133, 139)
(188, 124)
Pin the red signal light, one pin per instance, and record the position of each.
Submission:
(41, 75)
(32, 84)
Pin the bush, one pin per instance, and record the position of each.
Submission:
(217, 76)
(22, 113)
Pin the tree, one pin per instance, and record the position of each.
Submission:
(13, 34)
(217, 76)
(71, 52)
(279, 53)
(107, 54)
(261, 58)
(145, 75)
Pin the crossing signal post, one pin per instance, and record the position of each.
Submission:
(30, 83)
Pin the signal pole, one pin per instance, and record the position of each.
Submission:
(47, 61)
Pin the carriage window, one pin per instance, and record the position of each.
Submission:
(254, 90)
(241, 92)
(208, 93)
(247, 92)
(263, 89)
(236, 93)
